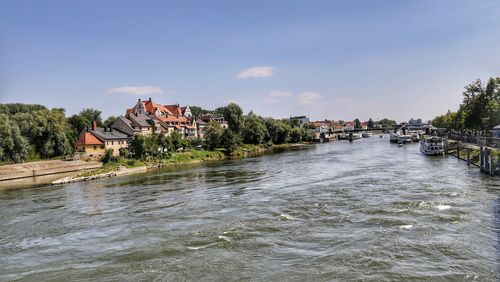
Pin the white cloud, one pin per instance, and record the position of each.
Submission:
(281, 94)
(137, 90)
(256, 72)
(307, 98)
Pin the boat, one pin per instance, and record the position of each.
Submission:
(404, 139)
(394, 137)
(432, 146)
(357, 136)
(342, 136)
(367, 134)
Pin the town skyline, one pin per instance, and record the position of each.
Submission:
(280, 59)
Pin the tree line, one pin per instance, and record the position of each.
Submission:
(479, 111)
(33, 132)
(242, 129)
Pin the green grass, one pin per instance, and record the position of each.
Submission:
(194, 155)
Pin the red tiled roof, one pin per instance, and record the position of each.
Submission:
(151, 107)
(175, 109)
(87, 138)
(174, 119)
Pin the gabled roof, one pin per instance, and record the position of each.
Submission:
(151, 107)
(87, 138)
(496, 127)
(109, 135)
(175, 109)
(139, 120)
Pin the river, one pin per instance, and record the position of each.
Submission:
(363, 211)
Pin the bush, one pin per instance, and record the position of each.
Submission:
(108, 156)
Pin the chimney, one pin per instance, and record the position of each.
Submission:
(105, 128)
(149, 99)
(94, 125)
(110, 129)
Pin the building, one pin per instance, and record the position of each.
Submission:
(495, 131)
(148, 117)
(302, 120)
(95, 142)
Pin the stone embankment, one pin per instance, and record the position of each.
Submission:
(42, 168)
(121, 171)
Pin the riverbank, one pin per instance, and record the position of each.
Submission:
(124, 166)
(42, 168)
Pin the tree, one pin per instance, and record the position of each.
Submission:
(176, 140)
(254, 130)
(233, 114)
(230, 140)
(371, 124)
(296, 134)
(138, 146)
(357, 124)
(198, 111)
(213, 135)
(110, 120)
(84, 119)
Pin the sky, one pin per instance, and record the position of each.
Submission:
(324, 59)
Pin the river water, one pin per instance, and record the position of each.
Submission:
(361, 211)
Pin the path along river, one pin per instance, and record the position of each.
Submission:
(366, 210)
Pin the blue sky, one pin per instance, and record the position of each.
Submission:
(326, 59)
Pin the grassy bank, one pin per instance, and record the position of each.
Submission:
(186, 157)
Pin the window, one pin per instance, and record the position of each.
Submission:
(95, 147)
(102, 147)
(112, 143)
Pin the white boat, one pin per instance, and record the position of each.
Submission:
(394, 137)
(367, 134)
(404, 139)
(432, 146)
(357, 136)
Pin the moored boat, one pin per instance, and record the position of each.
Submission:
(357, 136)
(432, 146)
(367, 134)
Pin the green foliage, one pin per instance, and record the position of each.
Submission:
(254, 131)
(233, 114)
(108, 156)
(176, 140)
(213, 135)
(12, 109)
(198, 111)
(357, 124)
(387, 123)
(36, 132)
(84, 119)
(279, 131)
(230, 140)
(110, 120)
(479, 110)
(370, 124)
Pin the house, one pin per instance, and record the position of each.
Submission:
(349, 126)
(302, 120)
(496, 131)
(95, 142)
(207, 118)
(89, 145)
(142, 123)
(124, 125)
(201, 125)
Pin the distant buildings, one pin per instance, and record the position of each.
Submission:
(95, 141)
(145, 118)
(302, 120)
(496, 131)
